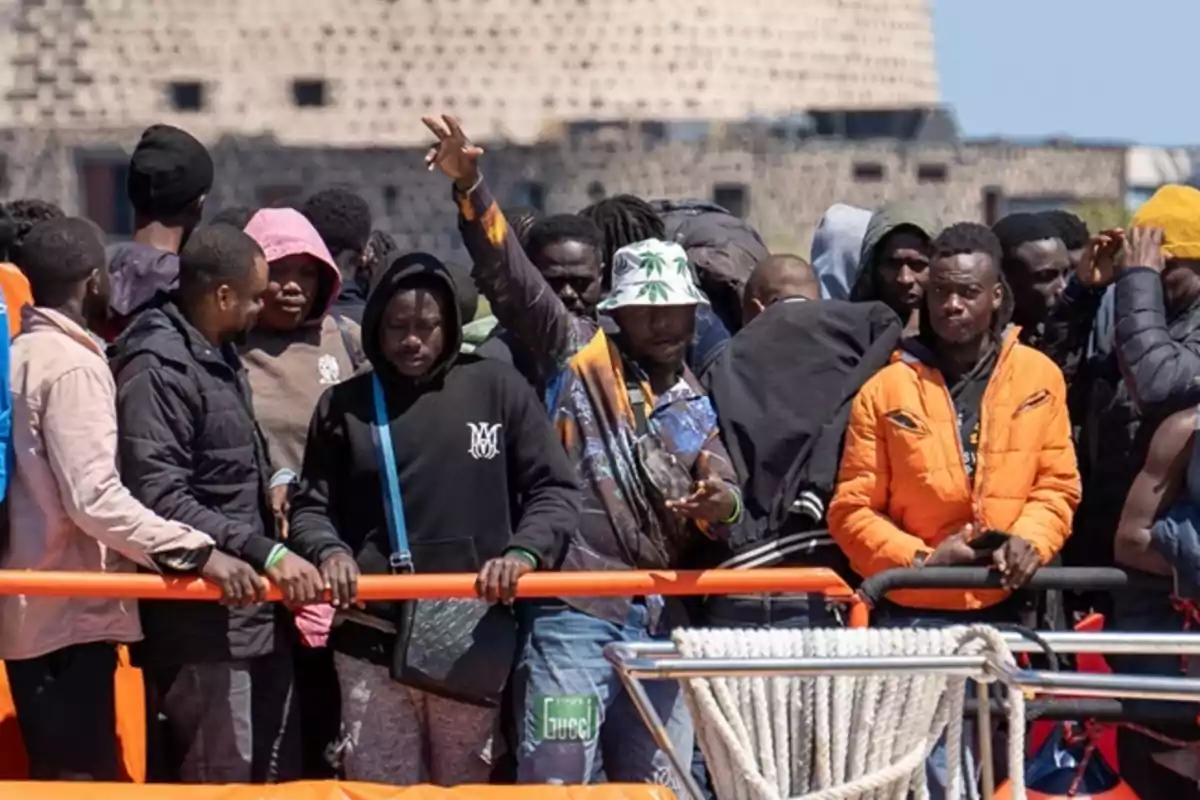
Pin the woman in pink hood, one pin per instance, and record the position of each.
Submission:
(297, 350)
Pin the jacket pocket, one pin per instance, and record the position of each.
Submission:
(1035, 400)
(907, 422)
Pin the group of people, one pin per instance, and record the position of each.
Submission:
(281, 394)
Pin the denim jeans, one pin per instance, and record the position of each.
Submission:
(574, 712)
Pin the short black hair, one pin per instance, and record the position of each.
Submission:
(624, 220)
(1022, 228)
(237, 216)
(521, 219)
(968, 237)
(1071, 229)
(216, 255)
(19, 217)
(380, 246)
(58, 255)
(563, 228)
(341, 217)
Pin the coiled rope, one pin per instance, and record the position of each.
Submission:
(839, 737)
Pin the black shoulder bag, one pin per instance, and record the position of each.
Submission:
(461, 649)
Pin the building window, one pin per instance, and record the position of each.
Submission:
(596, 191)
(187, 95)
(733, 197)
(391, 198)
(868, 171)
(309, 93)
(932, 173)
(277, 195)
(529, 193)
(105, 199)
(993, 205)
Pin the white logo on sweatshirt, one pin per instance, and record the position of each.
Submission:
(484, 440)
(328, 369)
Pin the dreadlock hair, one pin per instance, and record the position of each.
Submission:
(561, 228)
(623, 220)
(1071, 229)
(521, 219)
(237, 216)
(18, 219)
(380, 246)
(341, 217)
(57, 256)
(964, 238)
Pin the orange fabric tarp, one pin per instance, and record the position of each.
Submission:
(131, 728)
(326, 790)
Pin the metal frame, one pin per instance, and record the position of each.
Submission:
(638, 661)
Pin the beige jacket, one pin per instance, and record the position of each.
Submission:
(68, 509)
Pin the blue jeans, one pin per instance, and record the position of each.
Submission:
(573, 711)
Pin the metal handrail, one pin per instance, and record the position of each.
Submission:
(1103, 579)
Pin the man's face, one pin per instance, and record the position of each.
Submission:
(238, 304)
(963, 294)
(657, 334)
(1038, 274)
(413, 335)
(573, 271)
(1181, 283)
(292, 286)
(902, 263)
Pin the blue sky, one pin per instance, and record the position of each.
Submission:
(1094, 69)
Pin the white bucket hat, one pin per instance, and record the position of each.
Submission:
(652, 273)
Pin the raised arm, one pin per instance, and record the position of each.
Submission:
(519, 296)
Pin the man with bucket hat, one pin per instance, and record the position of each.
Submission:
(656, 482)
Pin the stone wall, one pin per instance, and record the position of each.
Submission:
(515, 67)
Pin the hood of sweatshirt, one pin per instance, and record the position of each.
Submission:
(137, 273)
(884, 222)
(401, 271)
(837, 249)
(284, 232)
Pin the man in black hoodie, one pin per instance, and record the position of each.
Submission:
(484, 487)
(191, 451)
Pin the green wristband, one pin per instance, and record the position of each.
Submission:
(275, 556)
(737, 509)
(523, 554)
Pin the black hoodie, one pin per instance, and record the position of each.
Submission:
(481, 469)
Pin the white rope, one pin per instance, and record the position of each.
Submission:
(845, 737)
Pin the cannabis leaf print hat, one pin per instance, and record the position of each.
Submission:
(652, 273)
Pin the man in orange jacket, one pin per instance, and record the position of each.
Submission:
(960, 450)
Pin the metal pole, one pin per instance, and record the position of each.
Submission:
(654, 723)
(984, 727)
(663, 668)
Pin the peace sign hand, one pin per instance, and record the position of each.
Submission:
(453, 154)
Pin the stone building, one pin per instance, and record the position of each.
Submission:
(774, 108)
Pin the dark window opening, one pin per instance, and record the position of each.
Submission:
(391, 197)
(187, 95)
(932, 173)
(277, 195)
(105, 201)
(868, 171)
(733, 197)
(993, 205)
(309, 93)
(529, 193)
(596, 191)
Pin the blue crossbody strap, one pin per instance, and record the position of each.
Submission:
(400, 559)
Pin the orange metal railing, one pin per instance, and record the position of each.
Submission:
(131, 708)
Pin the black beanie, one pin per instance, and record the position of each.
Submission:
(169, 170)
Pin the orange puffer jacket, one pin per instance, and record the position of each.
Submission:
(902, 487)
